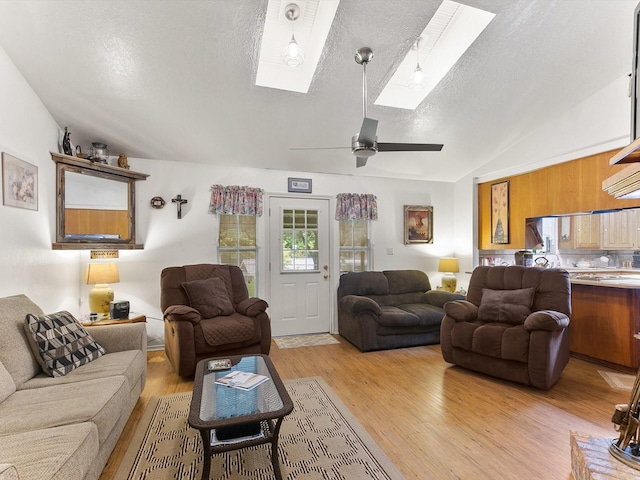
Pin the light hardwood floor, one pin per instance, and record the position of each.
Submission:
(434, 420)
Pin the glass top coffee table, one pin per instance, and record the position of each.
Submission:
(230, 418)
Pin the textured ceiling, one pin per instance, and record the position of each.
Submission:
(175, 80)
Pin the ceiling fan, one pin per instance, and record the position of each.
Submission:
(365, 143)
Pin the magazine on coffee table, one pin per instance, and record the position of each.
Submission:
(231, 435)
(242, 380)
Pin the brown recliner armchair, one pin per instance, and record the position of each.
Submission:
(208, 313)
(513, 324)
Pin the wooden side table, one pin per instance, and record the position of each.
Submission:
(133, 318)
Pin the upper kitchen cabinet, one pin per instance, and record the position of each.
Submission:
(619, 229)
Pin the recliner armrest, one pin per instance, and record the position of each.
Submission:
(438, 298)
(358, 304)
(546, 320)
(252, 307)
(461, 310)
(179, 313)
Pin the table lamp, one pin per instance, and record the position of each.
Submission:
(449, 266)
(100, 275)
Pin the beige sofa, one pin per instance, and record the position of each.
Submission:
(64, 428)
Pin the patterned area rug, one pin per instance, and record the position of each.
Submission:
(319, 440)
(619, 381)
(305, 340)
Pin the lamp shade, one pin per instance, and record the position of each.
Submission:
(448, 265)
(102, 273)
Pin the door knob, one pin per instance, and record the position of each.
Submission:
(325, 267)
(325, 276)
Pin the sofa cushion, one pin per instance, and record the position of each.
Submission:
(228, 330)
(506, 306)
(128, 363)
(100, 400)
(15, 351)
(209, 297)
(363, 283)
(60, 343)
(64, 452)
(7, 385)
(396, 317)
(406, 281)
(8, 472)
(428, 315)
(501, 340)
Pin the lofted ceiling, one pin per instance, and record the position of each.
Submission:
(175, 80)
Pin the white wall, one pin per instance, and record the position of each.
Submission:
(28, 264)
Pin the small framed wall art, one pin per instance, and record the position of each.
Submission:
(19, 183)
(500, 212)
(299, 185)
(418, 224)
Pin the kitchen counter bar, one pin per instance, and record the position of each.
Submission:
(605, 319)
(613, 278)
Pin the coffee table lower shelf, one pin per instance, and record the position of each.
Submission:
(270, 431)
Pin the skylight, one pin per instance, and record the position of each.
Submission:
(449, 34)
(311, 30)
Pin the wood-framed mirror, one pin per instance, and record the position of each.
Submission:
(95, 205)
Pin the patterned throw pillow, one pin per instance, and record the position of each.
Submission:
(60, 343)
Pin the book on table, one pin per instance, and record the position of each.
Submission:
(242, 380)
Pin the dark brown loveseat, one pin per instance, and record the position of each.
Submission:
(208, 313)
(513, 324)
(390, 309)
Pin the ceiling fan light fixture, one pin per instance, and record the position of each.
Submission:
(292, 55)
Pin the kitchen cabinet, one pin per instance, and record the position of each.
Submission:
(619, 229)
(579, 231)
(604, 321)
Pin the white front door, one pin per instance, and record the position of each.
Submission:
(299, 252)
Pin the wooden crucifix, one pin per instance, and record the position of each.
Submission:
(179, 201)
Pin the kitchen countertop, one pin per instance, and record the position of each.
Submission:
(605, 277)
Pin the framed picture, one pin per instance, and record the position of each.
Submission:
(19, 183)
(418, 224)
(300, 185)
(500, 212)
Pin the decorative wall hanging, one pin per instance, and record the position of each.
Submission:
(179, 201)
(418, 224)
(300, 185)
(500, 212)
(157, 202)
(19, 183)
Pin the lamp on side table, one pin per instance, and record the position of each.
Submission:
(449, 266)
(101, 275)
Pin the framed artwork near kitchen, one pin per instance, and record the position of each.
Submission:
(418, 224)
(19, 183)
(500, 212)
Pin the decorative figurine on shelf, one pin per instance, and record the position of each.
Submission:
(66, 142)
(123, 162)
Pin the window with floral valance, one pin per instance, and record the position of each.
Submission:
(236, 200)
(356, 206)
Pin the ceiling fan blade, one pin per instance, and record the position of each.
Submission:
(367, 133)
(360, 162)
(409, 147)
